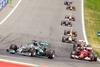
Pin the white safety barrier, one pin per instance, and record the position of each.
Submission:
(3, 3)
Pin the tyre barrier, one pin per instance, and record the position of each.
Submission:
(3, 3)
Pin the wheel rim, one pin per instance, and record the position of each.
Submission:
(53, 55)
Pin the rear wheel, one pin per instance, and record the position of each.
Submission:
(65, 32)
(75, 33)
(63, 39)
(51, 54)
(70, 25)
(95, 57)
(61, 22)
(74, 8)
(65, 3)
(32, 52)
(91, 57)
(75, 40)
(74, 47)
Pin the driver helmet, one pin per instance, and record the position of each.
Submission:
(70, 34)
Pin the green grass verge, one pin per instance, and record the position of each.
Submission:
(92, 23)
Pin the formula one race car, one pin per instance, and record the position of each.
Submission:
(84, 54)
(71, 7)
(69, 39)
(67, 3)
(33, 50)
(74, 33)
(66, 23)
(70, 17)
(80, 43)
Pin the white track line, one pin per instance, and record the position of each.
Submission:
(10, 13)
(83, 23)
(83, 26)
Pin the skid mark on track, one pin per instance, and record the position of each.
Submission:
(5, 38)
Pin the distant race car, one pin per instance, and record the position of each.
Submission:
(67, 3)
(69, 39)
(71, 7)
(66, 23)
(70, 17)
(84, 54)
(68, 32)
(80, 43)
(35, 49)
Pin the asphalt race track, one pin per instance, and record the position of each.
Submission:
(40, 20)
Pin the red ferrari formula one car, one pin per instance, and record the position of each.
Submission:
(84, 54)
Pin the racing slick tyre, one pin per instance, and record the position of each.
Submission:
(75, 34)
(32, 52)
(51, 54)
(70, 25)
(95, 58)
(74, 40)
(63, 39)
(62, 22)
(74, 8)
(73, 19)
(65, 3)
(72, 53)
(66, 32)
(13, 47)
(74, 47)
(67, 8)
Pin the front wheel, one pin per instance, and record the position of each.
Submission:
(13, 47)
(72, 53)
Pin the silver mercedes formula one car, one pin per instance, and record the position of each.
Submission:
(35, 49)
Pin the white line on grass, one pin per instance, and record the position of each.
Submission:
(10, 13)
